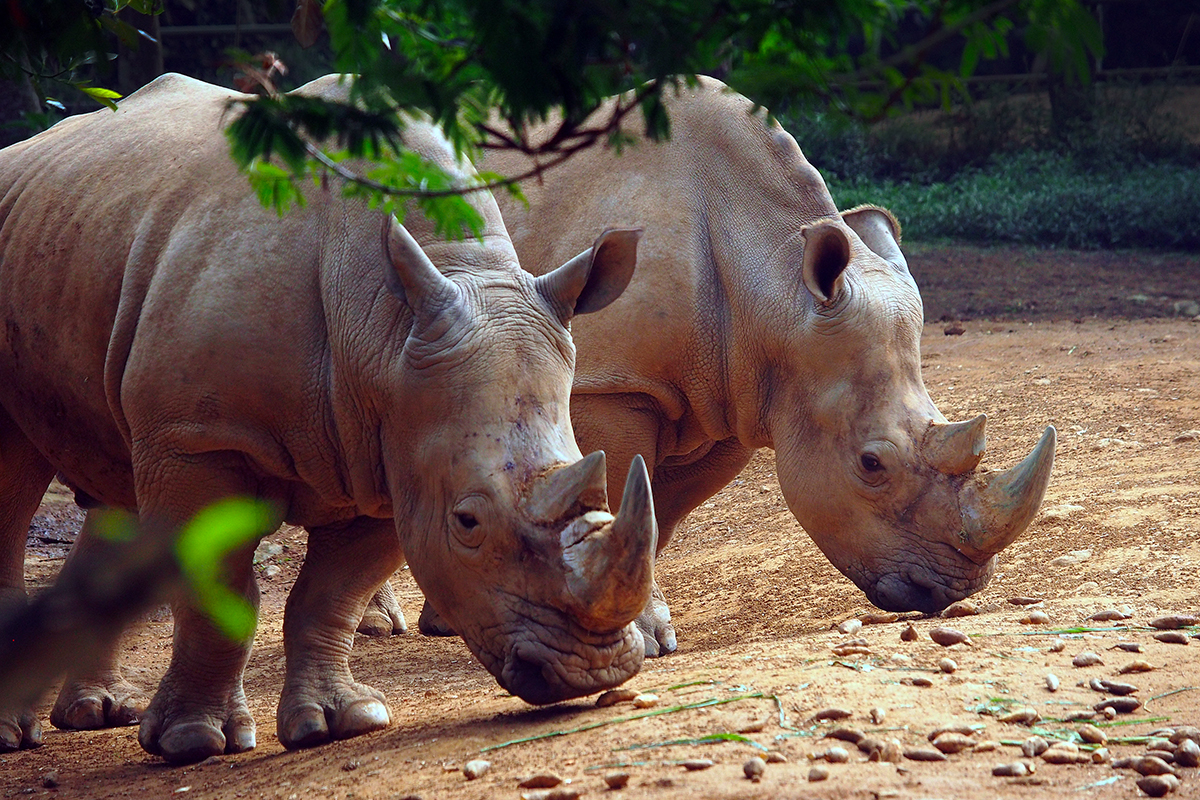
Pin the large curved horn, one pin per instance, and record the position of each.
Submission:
(997, 506)
(571, 490)
(955, 448)
(413, 278)
(610, 562)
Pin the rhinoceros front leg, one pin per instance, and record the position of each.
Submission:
(321, 700)
(383, 616)
(24, 476)
(100, 697)
(200, 707)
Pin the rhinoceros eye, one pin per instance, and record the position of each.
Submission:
(871, 463)
(466, 520)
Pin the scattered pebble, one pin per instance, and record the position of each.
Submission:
(1112, 687)
(817, 772)
(1172, 637)
(1034, 746)
(1064, 753)
(1109, 615)
(924, 754)
(836, 755)
(697, 764)
(1188, 754)
(1052, 682)
(754, 769)
(50, 779)
(1017, 769)
(1058, 645)
(557, 793)
(948, 637)
(1024, 601)
(869, 744)
(986, 746)
(947, 665)
(1021, 716)
(543, 781)
(1158, 785)
(614, 696)
(1121, 705)
(889, 752)
(1036, 618)
(776, 757)
(1182, 732)
(1100, 755)
(877, 715)
(1092, 735)
(645, 701)
(1128, 647)
(854, 647)
(1151, 765)
(1173, 622)
(851, 735)
(476, 769)
(961, 608)
(922, 681)
(1137, 666)
(617, 780)
(959, 728)
(952, 742)
(1086, 659)
(879, 617)
(351, 765)
(909, 634)
(832, 713)
(850, 627)
(954, 329)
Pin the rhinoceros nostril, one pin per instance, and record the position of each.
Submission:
(527, 680)
(903, 592)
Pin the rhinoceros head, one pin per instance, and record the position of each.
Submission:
(886, 487)
(506, 527)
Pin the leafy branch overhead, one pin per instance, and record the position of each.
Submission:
(486, 71)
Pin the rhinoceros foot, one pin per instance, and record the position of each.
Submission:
(19, 731)
(350, 709)
(656, 627)
(383, 616)
(102, 701)
(187, 732)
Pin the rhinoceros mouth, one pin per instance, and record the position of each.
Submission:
(554, 659)
(918, 587)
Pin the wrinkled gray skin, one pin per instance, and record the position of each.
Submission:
(169, 342)
(760, 316)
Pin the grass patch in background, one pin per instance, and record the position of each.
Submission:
(996, 172)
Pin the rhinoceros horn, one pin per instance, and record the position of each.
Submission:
(610, 562)
(571, 490)
(955, 448)
(997, 506)
(413, 277)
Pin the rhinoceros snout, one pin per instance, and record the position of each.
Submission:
(900, 592)
(539, 674)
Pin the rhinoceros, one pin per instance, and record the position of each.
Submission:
(760, 316)
(168, 342)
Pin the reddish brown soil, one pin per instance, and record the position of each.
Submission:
(1087, 342)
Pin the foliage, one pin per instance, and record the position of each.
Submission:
(1046, 198)
(485, 71)
(52, 42)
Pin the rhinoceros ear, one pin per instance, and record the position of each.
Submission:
(413, 277)
(879, 230)
(826, 255)
(595, 277)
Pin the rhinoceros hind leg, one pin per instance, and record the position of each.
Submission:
(345, 565)
(20, 731)
(383, 616)
(99, 701)
(656, 627)
(431, 623)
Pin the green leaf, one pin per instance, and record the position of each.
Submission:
(104, 97)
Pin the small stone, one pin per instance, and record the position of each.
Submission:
(754, 769)
(645, 701)
(818, 772)
(986, 746)
(951, 742)
(836, 755)
(1025, 601)
(1137, 666)
(543, 781)
(1113, 687)
(1158, 785)
(960, 608)
(776, 757)
(476, 769)
(1052, 682)
(1036, 618)
(1100, 755)
(1034, 746)
(1173, 622)
(1058, 645)
(1151, 765)
(854, 647)
(947, 665)
(753, 726)
(922, 681)
(1120, 705)
(557, 793)
(924, 754)
(948, 637)
(1182, 732)
(1021, 716)
(1092, 735)
(1063, 753)
(890, 752)
(832, 714)
(614, 696)
(1109, 615)
(1017, 769)
(1129, 647)
(1086, 659)
(50, 779)
(909, 634)
(869, 744)
(1188, 754)
(1172, 637)
(1186, 436)
(617, 780)
(959, 728)
(851, 735)
(1166, 756)
(351, 765)
(877, 715)
(697, 764)
(850, 627)
(879, 617)
(954, 329)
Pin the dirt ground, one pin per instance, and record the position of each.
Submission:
(1100, 345)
